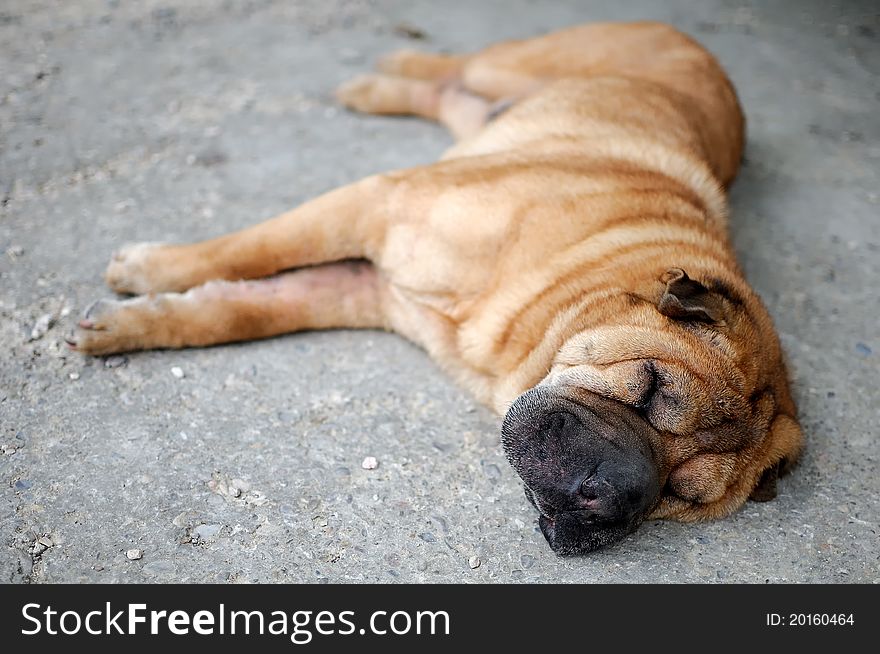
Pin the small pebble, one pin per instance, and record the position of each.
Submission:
(863, 349)
(206, 532)
(14, 251)
(134, 554)
(235, 491)
(42, 326)
(370, 463)
(115, 361)
(45, 540)
(74, 376)
(474, 562)
(177, 372)
(181, 519)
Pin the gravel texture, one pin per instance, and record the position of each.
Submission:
(129, 121)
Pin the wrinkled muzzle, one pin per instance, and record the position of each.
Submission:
(587, 465)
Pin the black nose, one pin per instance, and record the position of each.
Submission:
(584, 510)
(571, 480)
(595, 498)
(598, 496)
(587, 466)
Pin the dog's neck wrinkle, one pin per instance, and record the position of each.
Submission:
(534, 365)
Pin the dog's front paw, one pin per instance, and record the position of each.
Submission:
(134, 269)
(110, 326)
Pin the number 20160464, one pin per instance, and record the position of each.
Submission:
(810, 619)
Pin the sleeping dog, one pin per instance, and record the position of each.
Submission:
(567, 261)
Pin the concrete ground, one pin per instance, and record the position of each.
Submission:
(153, 120)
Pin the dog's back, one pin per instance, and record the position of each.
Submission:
(632, 77)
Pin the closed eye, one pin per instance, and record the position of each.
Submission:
(651, 387)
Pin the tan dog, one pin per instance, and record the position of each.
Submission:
(567, 261)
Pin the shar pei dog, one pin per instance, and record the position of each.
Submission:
(567, 261)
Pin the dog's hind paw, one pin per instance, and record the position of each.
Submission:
(384, 94)
(360, 94)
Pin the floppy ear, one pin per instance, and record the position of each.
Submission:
(766, 488)
(786, 438)
(686, 299)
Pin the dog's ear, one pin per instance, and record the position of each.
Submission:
(766, 488)
(686, 299)
(786, 438)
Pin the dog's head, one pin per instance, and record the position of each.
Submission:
(678, 408)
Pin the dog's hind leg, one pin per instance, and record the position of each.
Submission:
(419, 84)
(346, 223)
(338, 295)
(422, 65)
(437, 87)
(463, 113)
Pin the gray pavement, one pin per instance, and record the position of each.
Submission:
(126, 121)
